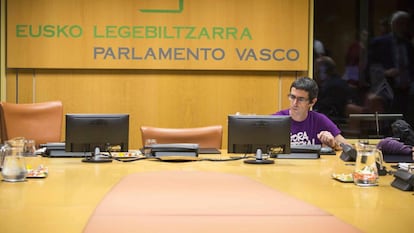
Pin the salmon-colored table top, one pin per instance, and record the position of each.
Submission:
(196, 201)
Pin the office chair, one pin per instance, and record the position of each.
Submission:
(205, 137)
(41, 122)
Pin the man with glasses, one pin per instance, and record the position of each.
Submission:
(309, 127)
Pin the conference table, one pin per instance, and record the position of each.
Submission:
(66, 199)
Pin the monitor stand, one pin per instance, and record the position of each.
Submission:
(97, 157)
(259, 159)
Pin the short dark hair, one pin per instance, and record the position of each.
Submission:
(306, 84)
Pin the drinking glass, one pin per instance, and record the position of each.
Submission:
(147, 146)
(366, 172)
(29, 148)
(33, 161)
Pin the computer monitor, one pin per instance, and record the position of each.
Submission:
(96, 132)
(248, 133)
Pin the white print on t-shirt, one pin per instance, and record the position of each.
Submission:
(301, 138)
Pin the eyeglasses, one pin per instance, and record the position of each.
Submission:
(299, 99)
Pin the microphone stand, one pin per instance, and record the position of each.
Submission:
(259, 159)
(97, 157)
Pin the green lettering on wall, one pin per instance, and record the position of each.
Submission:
(179, 10)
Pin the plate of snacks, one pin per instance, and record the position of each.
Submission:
(39, 172)
(346, 178)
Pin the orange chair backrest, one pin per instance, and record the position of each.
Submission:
(39, 121)
(206, 137)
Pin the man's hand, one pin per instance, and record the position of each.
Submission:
(392, 73)
(327, 138)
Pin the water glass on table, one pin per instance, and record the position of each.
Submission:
(29, 148)
(147, 146)
(366, 172)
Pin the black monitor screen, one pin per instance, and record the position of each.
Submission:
(247, 133)
(86, 132)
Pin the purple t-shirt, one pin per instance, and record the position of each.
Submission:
(306, 132)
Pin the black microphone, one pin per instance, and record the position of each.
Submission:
(349, 153)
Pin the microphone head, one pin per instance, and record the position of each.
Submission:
(259, 154)
(349, 153)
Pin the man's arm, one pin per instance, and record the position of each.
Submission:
(328, 139)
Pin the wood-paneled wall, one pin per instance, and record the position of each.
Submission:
(155, 97)
(158, 94)
(114, 34)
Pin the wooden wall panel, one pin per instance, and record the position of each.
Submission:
(116, 34)
(157, 98)
(157, 93)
